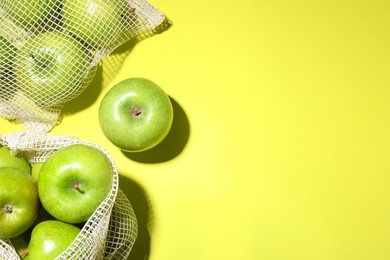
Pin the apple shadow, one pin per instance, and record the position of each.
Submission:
(87, 97)
(162, 27)
(144, 214)
(172, 145)
(108, 68)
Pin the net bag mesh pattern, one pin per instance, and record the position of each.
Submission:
(112, 229)
(50, 49)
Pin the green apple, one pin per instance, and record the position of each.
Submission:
(135, 114)
(19, 202)
(8, 159)
(51, 68)
(73, 182)
(31, 15)
(50, 238)
(98, 23)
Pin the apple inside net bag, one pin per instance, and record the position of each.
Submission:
(109, 230)
(49, 51)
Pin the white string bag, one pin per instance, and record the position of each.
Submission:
(112, 229)
(50, 49)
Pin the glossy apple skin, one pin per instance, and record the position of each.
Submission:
(73, 182)
(98, 23)
(130, 132)
(13, 160)
(50, 238)
(51, 67)
(30, 14)
(18, 191)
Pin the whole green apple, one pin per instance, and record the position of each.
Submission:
(73, 182)
(19, 202)
(98, 23)
(50, 238)
(31, 15)
(7, 159)
(51, 68)
(136, 114)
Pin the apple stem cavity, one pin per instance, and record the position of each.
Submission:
(76, 186)
(135, 111)
(8, 209)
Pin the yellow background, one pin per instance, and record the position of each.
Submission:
(281, 141)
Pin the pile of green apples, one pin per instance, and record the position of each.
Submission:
(44, 205)
(52, 54)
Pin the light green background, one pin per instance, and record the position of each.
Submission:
(280, 145)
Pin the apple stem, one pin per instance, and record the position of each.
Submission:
(8, 209)
(38, 61)
(24, 252)
(135, 111)
(76, 186)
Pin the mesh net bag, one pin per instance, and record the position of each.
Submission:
(50, 49)
(112, 229)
